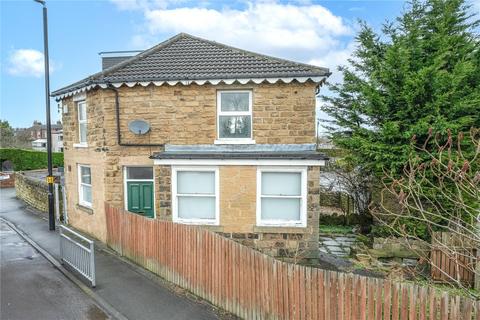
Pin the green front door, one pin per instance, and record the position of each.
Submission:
(140, 197)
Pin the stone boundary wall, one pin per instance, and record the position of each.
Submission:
(33, 191)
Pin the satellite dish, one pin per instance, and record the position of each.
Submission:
(139, 126)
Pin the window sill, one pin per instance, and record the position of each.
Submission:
(84, 208)
(80, 145)
(236, 141)
(281, 229)
(198, 223)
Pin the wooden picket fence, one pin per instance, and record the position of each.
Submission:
(255, 286)
(453, 259)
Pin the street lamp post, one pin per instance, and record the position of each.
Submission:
(50, 178)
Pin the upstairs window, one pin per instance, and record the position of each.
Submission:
(82, 122)
(234, 116)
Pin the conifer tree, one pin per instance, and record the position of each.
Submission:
(420, 74)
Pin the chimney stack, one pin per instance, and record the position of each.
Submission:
(111, 58)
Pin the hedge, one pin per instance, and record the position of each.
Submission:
(345, 220)
(29, 159)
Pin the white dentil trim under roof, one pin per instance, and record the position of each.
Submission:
(188, 82)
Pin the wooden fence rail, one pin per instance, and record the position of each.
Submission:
(255, 286)
(453, 259)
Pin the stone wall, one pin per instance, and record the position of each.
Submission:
(90, 220)
(163, 192)
(282, 113)
(238, 217)
(34, 192)
(400, 250)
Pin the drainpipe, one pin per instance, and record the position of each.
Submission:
(119, 136)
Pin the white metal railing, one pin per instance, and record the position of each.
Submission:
(78, 252)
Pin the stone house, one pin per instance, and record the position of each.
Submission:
(201, 133)
(57, 142)
(39, 130)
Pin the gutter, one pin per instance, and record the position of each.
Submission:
(119, 136)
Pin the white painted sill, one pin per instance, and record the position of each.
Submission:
(281, 225)
(197, 222)
(80, 145)
(236, 141)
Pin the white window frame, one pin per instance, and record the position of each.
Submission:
(63, 107)
(175, 195)
(80, 122)
(303, 197)
(234, 113)
(125, 180)
(80, 184)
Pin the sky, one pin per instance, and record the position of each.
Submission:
(316, 32)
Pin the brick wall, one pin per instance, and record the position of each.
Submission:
(8, 180)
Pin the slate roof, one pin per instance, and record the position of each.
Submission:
(185, 57)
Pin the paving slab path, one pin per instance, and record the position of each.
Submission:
(129, 290)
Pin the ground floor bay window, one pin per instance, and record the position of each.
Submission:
(281, 197)
(195, 195)
(139, 190)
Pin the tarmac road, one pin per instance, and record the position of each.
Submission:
(32, 288)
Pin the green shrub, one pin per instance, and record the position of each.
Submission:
(380, 231)
(334, 153)
(338, 200)
(345, 220)
(29, 159)
(411, 227)
(335, 229)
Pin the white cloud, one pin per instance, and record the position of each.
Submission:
(27, 62)
(304, 32)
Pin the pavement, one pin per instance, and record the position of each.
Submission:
(31, 288)
(123, 290)
(40, 174)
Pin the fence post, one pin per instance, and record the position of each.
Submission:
(61, 244)
(476, 284)
(92, 263)
(64, 204)
(57, 202)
